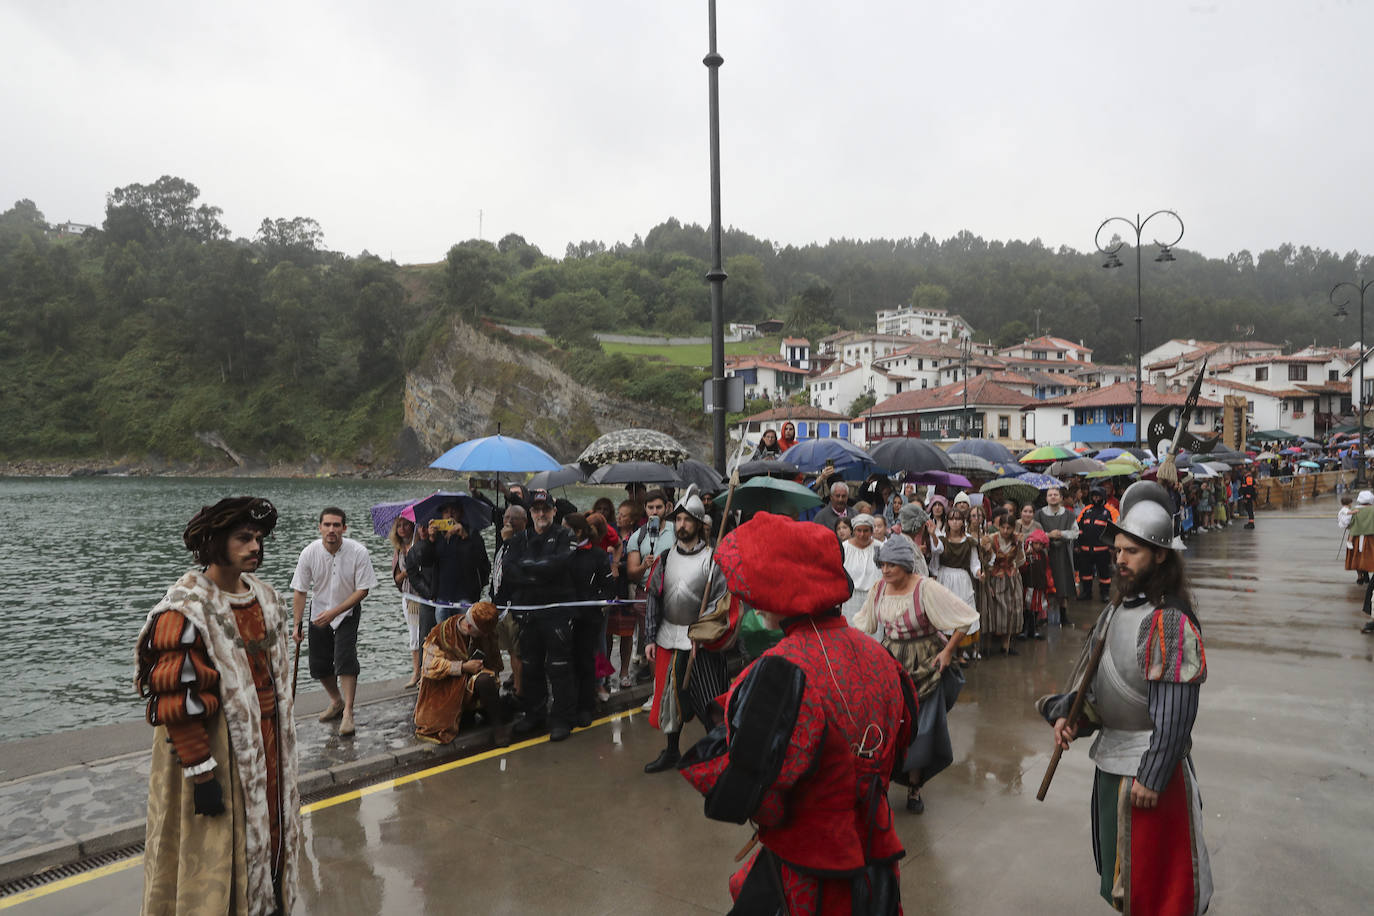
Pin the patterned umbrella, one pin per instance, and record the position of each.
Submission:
(1040, 481)
(972, 464)
(903, 453)
(984, 448)
(633, 445)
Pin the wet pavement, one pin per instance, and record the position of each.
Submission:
(1282, 748)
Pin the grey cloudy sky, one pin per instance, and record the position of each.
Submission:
(394, 124)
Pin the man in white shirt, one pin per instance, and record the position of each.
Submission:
(339, 572)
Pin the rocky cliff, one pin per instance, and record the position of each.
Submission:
(469, 385)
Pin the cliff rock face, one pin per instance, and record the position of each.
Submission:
(469, 384)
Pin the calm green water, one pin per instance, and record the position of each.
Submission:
(84, 560)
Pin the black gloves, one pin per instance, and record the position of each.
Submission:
(209, 800)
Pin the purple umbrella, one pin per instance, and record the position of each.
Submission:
(939, 479)
(383, 514)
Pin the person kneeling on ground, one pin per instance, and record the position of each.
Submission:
(461, 665)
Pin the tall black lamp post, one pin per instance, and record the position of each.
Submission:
(1342, 312)
(1165, 254)
(965, 350)
(716, 275)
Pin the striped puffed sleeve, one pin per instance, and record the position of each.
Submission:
(1172, 659)
(182, 688)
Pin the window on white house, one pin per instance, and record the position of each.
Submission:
(1297, 372)
(1063, 419)
(1261, 373)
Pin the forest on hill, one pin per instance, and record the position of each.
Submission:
(130, 339)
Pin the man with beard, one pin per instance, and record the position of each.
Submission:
(1142, 702)
(223, 808)
(673, 603)
(1062, 530)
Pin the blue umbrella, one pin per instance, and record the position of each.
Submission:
(476, 514)
(813, 454)
(995, 452)
(1009, 468)
(496, 454)
(1040, 481)
(383, 514)
(1109, 453)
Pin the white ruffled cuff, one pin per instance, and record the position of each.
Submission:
(207, 766)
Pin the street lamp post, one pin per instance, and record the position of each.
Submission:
(1343, 312)
(1165, 254)
(965, 349)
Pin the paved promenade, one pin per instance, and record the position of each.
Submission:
(1283, 750)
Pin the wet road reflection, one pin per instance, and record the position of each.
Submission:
(1282, 747)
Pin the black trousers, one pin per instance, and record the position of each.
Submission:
(1093, 563)
(489, 694)
(546, 651)
(587, 628)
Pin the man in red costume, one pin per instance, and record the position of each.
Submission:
(814, 731)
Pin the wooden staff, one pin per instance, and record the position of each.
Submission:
(295, 670)
(1077, 709)
(706, 592)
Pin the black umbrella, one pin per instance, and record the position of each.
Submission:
(995, 452)
(904, 453)
(702, 474)
(547, 480)
(635, 472)
(769, 467)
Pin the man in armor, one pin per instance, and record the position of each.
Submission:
(686, 677)
(815, 730)
(1092, 551)
(1142, 702)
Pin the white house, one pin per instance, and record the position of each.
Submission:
(927, 324)
(796, 352)
(1047, 349)
(1106, 416)
(1302, 394)
(766, 379)
(837, 386)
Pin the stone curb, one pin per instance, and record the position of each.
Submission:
(33, 862)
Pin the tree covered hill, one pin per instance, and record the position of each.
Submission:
(131, 339)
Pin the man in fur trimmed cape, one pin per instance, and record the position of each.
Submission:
(212, 661)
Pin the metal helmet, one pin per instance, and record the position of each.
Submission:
(691, 504)
(1147, 514)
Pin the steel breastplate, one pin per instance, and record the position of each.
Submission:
(684, 581)
(1121, 696)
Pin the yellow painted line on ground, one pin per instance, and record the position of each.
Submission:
(106, 870)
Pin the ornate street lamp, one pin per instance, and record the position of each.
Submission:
(1342, 312)
(965, 350)
(1165, 254)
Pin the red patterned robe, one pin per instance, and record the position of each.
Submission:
(825, 819)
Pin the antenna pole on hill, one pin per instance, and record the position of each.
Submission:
(716, 276)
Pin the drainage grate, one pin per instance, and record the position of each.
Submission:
(70, 870)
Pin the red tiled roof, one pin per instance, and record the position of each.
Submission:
(1255, 389)
(1260, 360)
(1057, 343)
(794, 413)
(766, 364)
(981, 391)
(796, 340)
(1123, 394)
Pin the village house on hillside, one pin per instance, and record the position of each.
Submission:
(994, 411)
(1106, 416)
(927, 324)
(811, 423)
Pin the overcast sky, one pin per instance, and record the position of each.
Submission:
(394, 124)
